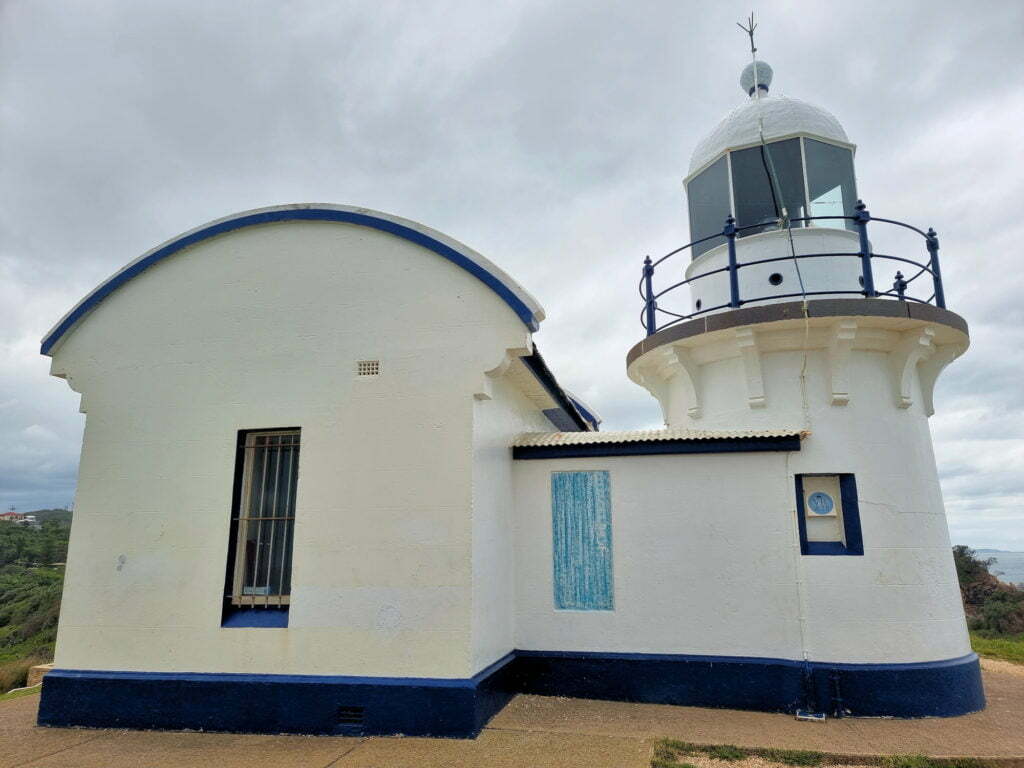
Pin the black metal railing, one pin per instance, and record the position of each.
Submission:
(652, 311)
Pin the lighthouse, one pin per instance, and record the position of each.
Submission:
(789, 309)
(343, 493)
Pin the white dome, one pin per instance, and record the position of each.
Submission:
(782, 116)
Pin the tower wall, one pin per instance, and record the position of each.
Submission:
(861, 387)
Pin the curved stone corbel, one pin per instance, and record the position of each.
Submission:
(687, 373)
(671, 375)
(484, 390)
(61, 373)
(656, 387)
(843, 335)
(914, 347)
(746, 341)
(928, 372)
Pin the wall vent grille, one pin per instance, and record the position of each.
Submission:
(350, 715)
(368, 368)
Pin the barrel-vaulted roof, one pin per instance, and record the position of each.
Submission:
(514, 295)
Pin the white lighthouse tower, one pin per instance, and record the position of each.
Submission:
(796, 316)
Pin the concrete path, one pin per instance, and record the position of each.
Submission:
(533, 731)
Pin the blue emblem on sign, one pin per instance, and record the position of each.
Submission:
(820, 503)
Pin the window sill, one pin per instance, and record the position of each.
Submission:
(827, 548)
(255, 618)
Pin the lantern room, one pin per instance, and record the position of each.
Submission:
(774, 216)
(773, 157)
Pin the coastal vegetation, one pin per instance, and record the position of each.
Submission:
(995, 609)
(31, 580)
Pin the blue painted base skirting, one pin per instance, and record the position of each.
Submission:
(276, 703)
(460, 708)
(928, 689)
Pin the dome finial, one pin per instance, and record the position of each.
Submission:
(763, 77)
(757, 74)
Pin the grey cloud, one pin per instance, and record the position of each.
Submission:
(552, 137)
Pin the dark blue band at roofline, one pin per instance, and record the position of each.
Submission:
(657, 447)
(293, 214)
(461, 707)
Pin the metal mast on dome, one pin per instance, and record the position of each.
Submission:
(749, 29)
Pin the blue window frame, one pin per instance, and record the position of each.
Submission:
(581, 536)
(852, 541)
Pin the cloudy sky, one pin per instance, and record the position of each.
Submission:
(550, 136)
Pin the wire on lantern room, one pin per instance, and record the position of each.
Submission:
(778, 201)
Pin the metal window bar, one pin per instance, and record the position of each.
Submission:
(266, 519)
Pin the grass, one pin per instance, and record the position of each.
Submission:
(18, 694)
(921, 761)
(668, 751)
(1002, 647)
(13, 674)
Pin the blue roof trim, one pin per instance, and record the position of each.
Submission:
(587, 415)
(517, 305)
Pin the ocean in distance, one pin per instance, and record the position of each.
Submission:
(1008, 567)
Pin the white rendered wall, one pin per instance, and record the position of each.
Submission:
(262, 328)
(900, 601)
(707, 561)
(495, 420)
(702, 553)
(833, 273)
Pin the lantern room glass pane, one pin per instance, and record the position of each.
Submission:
(830, 183)
(708, 198)
(758, 201)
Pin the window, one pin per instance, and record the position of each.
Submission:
(708, 197)
(263, 521)
(828, 517)
(830, 189)
(581, 528)
(758, 201)
(830, 183)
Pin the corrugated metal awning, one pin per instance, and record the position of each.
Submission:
(538, 439)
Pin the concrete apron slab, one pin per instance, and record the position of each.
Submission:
(994, 733)
(504, 749)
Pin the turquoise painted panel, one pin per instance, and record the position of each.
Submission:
(581, 536)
